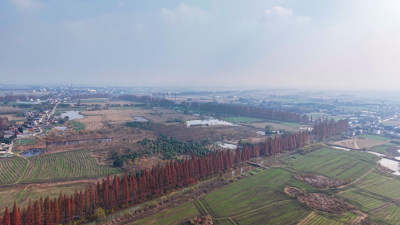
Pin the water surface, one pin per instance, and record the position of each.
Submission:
(73, 115)
(208, 122)
(32, 152)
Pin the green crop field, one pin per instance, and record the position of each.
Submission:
(372, 191)
(53, 167)
(176, 215)
(11, 169)
(335, 163)
(249, 194)
(386, 215)
(242, 119)
(328, 218)
(259, 199)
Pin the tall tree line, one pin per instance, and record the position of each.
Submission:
(327, 128)
(130, 189)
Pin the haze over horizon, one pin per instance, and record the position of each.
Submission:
(275, 44)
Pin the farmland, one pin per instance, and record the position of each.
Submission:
(259, 198)
(250, 201)
(172, 216)
(334, 163)
(53, 167)
(11, 170)
(372, 191)
(316, 218)
(386, 215)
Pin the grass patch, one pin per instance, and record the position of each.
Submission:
(374, 137)
(290, 124)
(77, 126)
(93, 100)
(176, 215)
(242, 119)
(383, 148)
(24, 141)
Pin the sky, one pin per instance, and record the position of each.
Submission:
(341, 44)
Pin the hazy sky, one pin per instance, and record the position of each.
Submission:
(247, 43)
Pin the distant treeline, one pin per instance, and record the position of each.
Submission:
(244, 110)
(13, 98)
(89, 95)
(229, 109)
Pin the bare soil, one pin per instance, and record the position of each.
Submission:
(358, 143)
(319, 181)
(320, 201)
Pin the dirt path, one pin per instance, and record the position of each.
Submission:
(10, 148)
(305, 219)
(55, 183)
(355, 144)
(356, 180)
(360, 218)
(23, 172)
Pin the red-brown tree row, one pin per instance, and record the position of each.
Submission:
(122, 191)
(271, 146)
(327, 128)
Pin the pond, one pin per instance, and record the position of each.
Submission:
(140, 119)
(73, 115)
(226, 145)
(32, 152)
(261, 132)
(208, 122)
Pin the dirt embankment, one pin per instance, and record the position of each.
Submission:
(319, 201)
(319, 181)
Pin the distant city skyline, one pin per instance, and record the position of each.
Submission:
(306, 44)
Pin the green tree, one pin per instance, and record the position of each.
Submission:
(268, 129)
(99, 213)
